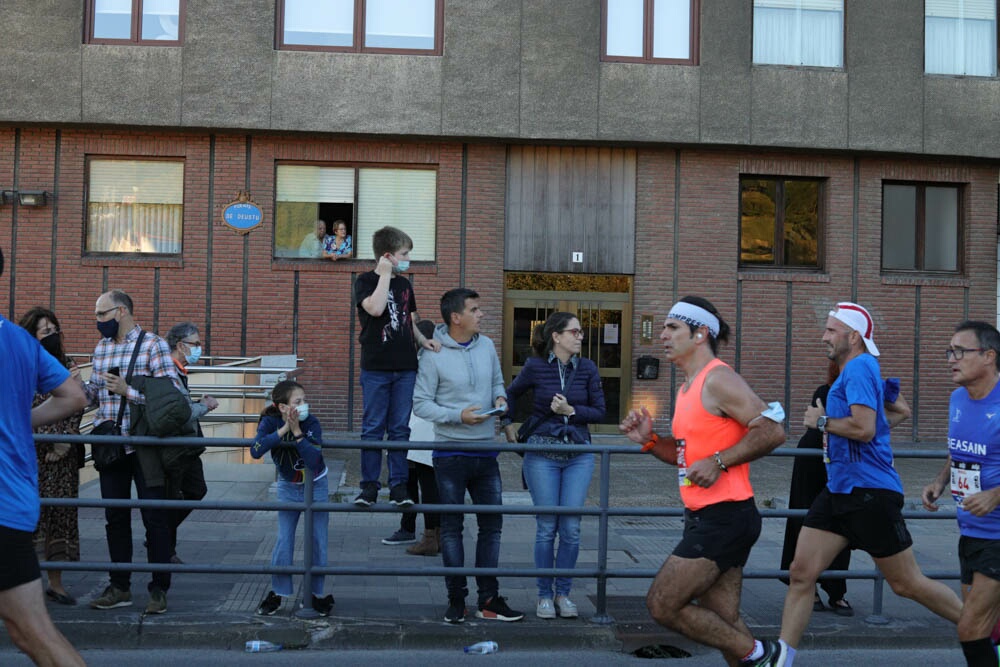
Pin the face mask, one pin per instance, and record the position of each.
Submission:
(52, 344)
(303, 411)
(195, 354)
(108, 329)
(402, 266)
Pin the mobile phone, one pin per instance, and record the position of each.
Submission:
(115, 370)
(492, 412)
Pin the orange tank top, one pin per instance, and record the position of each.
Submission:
(699, 435)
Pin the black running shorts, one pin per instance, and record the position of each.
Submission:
(18, 562)
(723, 533)
(978, 555)
(870, 519)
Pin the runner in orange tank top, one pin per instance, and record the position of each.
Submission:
(719, 426)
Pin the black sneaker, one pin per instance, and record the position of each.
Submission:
(323, 605)
(775, 654)
(496, 609)
(400, 537)
(456, 611)
(269, 605)
(368, 495)
(399, 497)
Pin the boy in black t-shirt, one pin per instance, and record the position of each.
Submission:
(387, 309)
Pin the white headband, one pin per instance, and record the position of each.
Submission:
(696, 315)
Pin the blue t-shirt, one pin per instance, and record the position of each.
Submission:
(852, 463)
(25, 369)
(974, 445)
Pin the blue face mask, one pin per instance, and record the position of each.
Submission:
(402, 266)
(195, 354)
(108, 329)
(303, 411)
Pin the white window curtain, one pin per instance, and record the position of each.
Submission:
(960, 37)
(403, 198)
(135, 207)
(303, 183)
(399, 24)
(672, 29)
(624, 28)
(325, 23)
(799, 32)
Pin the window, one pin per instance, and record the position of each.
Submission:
(366, 199)
(159, 22)
(379, 26)
(921, 227)
(798, 32)
(960, 37)
(662, 31)
(779, 222)
(135, 206)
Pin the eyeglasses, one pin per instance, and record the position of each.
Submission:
(47, 331)
(192, 343)
(578, 333)
(102, 313)
(957, 353)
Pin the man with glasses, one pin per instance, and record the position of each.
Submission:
(862, 503)
(973, 473)
(25, 370)
(186, 477)
(108, 388)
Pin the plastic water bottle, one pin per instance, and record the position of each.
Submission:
(261, 646)
(482, 648)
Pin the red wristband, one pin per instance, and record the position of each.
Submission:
(652, 442)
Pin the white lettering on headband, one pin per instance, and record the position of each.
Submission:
(695, 315)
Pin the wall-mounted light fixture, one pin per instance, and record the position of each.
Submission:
(32, 197)
(8, 197)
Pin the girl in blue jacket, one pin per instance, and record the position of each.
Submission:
(294, 438)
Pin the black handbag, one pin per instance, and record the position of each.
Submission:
(106, 455)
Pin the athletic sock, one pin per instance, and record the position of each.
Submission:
(980, 653)
(757, 652)
(790, 655)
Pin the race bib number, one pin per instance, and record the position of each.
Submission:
(826, 448)
(965, 480)
(682, 479)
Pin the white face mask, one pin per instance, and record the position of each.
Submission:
(303, 410)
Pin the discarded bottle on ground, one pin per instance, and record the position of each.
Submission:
(260, 646)
(482, 648)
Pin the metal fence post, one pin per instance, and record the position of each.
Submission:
(602, 617)
(876, 617)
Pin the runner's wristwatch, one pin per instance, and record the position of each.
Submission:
(821, 423)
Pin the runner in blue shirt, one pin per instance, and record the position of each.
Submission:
(972, 472)
(27, 369)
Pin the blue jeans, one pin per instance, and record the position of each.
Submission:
(563, 483)
(284, 548)
(388, 399)
(481, 477)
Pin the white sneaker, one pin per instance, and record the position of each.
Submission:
(544, 609)
(565, 607)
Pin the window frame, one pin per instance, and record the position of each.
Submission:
(136, 32)
(647, 37)
(779, 228)
(996, 66)
(843, 44)
(920, 227)
(357, 167)
(359, 34)
(89, 159)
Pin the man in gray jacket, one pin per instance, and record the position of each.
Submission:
(456, 389)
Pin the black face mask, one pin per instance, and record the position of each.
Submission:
(53, 344)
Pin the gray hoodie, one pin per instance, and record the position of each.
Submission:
(455, 378)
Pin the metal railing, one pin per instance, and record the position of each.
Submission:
(603, 511)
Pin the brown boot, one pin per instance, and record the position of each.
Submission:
(430, 545)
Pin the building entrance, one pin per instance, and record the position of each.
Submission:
(603, 304)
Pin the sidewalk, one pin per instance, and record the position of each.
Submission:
(217, 610)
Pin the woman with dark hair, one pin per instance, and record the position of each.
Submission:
(567, 397)
(58, 464)
(295, 439)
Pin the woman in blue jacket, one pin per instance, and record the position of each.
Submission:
(294, 438)
(567, 397)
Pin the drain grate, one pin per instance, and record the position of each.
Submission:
(660, 651)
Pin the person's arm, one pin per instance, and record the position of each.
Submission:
(934, 490)
(424, 393)
(897, 411)
(592, 411)
(859, 425)
(268, 436)
(374, 304)
(65, 400)
(309, 443)
(638, 427)
(727, 394)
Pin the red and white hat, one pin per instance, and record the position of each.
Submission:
(860, 320)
